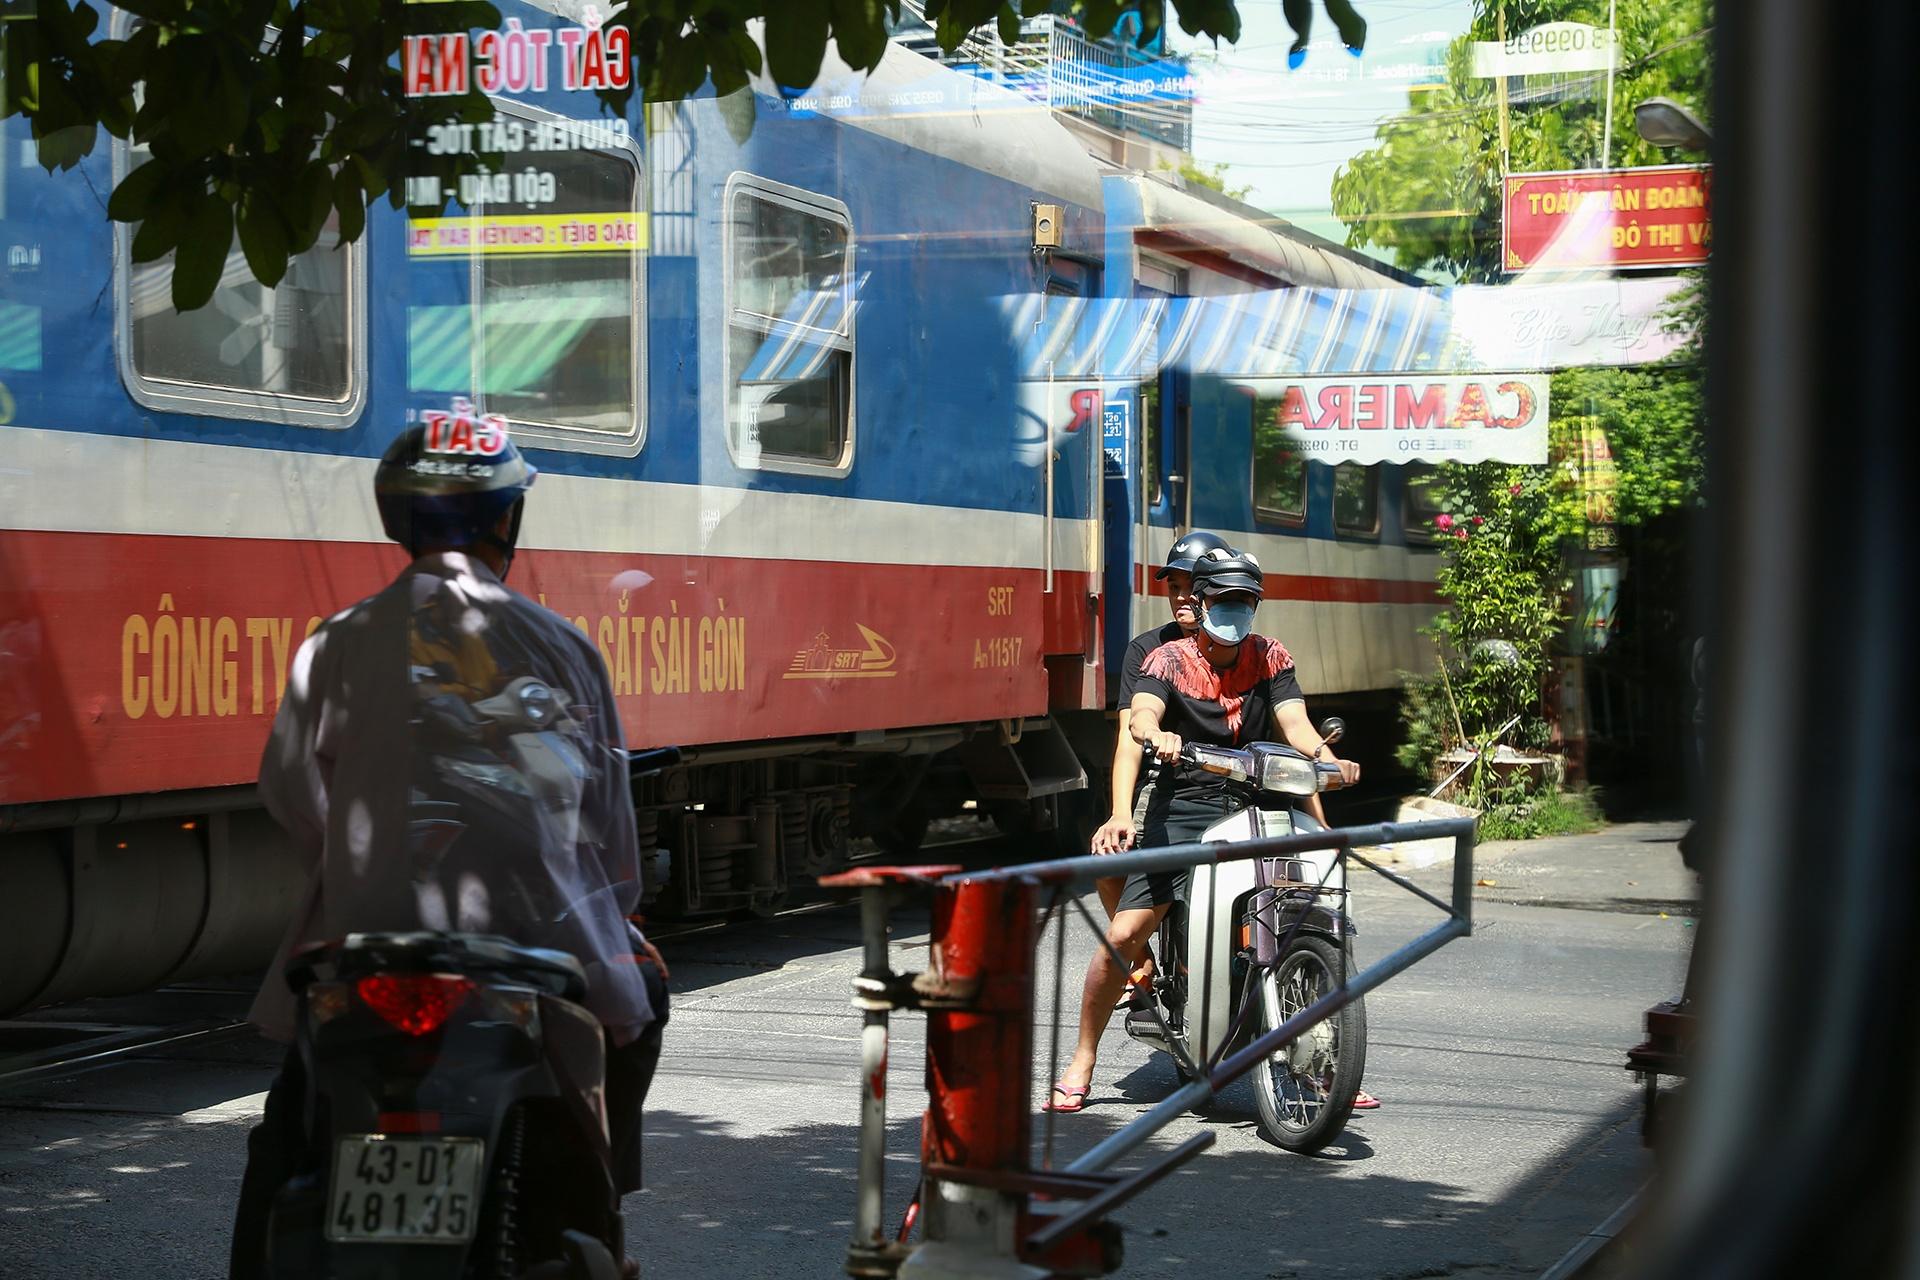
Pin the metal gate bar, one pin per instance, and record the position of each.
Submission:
(977, 1191)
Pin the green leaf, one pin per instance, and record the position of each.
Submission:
(263, 238)
(1100, 17)
(65, 148)
(860, 32)
(160, 231)
(202, 255)
(796, 41)
(133, 199)
(748, 51)
(350, 203)
(1008, 23)
(737, 113)
(307, 209)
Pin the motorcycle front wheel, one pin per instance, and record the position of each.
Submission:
(1305, 1090)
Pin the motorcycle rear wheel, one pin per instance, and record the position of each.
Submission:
(1305, 1091)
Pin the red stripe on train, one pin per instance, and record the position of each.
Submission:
(133, 663)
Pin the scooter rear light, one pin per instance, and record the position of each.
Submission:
(416, 1003)
(409, 1122)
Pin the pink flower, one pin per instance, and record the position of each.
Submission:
(1443, 522)
(1514, 490)
(1461, 533)
(1479, 519)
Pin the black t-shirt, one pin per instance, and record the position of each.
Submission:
(1226, 708)
(1142, 645)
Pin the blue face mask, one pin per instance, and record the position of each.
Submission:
(1229, 621)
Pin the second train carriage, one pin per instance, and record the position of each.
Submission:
(836, 524)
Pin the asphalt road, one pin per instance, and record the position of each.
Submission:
(1509, 1127)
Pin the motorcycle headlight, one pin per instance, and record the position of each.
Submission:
(1288, 775)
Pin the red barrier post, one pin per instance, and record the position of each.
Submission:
(979, 1058)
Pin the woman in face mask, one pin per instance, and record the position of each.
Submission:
(1222, 685)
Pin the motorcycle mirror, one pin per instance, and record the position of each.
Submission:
(1333, 728)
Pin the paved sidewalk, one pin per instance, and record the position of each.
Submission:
(1629, 867)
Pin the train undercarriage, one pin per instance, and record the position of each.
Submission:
(119, 894)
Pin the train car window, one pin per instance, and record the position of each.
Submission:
(292, 353)
(558, 337)
(1356, 500)
(789, 340)
(1421, 503)
(1279, 474)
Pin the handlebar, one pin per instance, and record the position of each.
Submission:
(1328, 776)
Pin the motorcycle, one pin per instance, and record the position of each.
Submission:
(1253, 942)
(455, 1084)
(455, 1102)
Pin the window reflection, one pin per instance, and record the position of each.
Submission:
(790, 329)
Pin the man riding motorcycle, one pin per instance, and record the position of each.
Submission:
(1222, 685)
(447, 756)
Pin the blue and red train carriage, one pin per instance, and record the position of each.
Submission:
(856, 489)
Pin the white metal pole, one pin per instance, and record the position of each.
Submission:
(1613, 63)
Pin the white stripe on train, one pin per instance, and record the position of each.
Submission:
(75, 482)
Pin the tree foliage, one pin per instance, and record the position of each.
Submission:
(266, 118)
(1211, 176)
(1430, 191)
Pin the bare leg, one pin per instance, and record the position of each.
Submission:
(1129, 932)
(1110, 890)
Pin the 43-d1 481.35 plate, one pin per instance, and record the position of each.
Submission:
(405, 1190)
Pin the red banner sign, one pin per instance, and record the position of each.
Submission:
(1650, 217)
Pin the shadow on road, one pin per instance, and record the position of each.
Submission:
(785, 1207)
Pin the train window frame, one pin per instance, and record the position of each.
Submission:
(213, 400)
(559, 435)
(1421, 533)
(1270, 515)
(1354, 532)
(816, 204)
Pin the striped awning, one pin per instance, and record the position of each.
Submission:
(796, 343)
(19, 337)
(1263, 333)
(526, 335)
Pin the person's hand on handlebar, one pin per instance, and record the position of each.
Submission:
(1349, 771)
(1164, 745)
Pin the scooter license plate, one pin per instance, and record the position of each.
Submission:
(405, 1190)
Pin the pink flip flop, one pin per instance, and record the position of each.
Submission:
(1364, 1101)
(1076, 1099)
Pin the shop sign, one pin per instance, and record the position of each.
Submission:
(1552, 48)
(1369, 418)
(1606, 218)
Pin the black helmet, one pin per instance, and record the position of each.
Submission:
(1191, 546)
(1224, 569)
(449, 479)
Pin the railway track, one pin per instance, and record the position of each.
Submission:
(72, 1040)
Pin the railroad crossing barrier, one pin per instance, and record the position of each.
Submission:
(985, 1210)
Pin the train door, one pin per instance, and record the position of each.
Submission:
(1071, 583)
(1166, 414)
